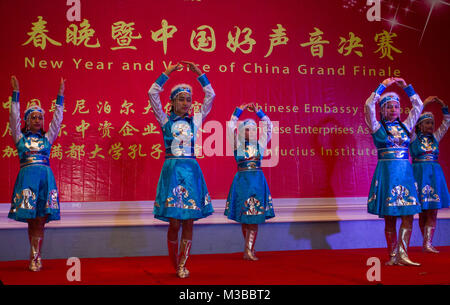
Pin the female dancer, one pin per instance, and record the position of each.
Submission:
(182, 195)
(249, 201)
(433, 191)
(35, 197)
(393, 190)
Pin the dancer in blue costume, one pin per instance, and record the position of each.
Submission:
(393, 191)
(249, 201)
(35, 198)
(182, 195)
(433, 191)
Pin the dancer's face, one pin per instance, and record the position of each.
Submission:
(427, 126)
(250, 133)
(391, 111)
(35, 122)
(182, 104)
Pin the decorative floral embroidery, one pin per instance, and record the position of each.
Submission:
(252, 206)
(373, 197)
(426, 144)
(34, 144)
(181, 195)
(428, 194)
(269, 205)
(25, 199)
(52, 202)
(400, 197)
(251, 151)
(207, 199)
(399, 138)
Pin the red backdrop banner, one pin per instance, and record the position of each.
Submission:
(310, 65)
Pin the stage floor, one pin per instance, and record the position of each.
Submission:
(305, 267)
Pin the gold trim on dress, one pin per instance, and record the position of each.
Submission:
(396, 154)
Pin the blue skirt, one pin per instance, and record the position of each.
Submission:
(433, 191)
(182, 192)
(35, 194)
(249, 200)
(393, 191)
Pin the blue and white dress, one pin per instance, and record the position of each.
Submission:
(182, 192)
(393, 190)
(35, 193)
(433, 191)
(249, 200)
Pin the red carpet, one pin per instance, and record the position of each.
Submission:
(307, 267)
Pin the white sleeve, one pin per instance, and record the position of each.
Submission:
(155, 101)
(231, 129)
(55, 124)
(369, 112)
(209, 96)
(415, 112)
(14, 120)
(265, 137)
(442, 130)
